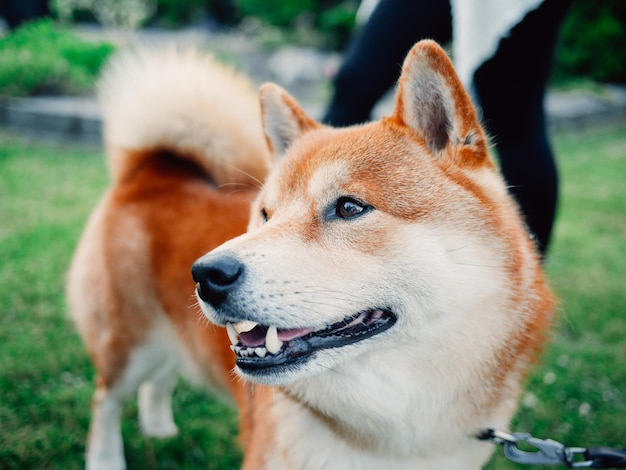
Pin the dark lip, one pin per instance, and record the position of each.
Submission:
(300, 349)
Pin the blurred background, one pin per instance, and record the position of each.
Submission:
(56, 47)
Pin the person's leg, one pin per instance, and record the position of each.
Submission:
(374, 58)
(510, 88)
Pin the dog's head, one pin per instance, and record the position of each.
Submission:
(377, 237)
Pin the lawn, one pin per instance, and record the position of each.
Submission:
(577, 395)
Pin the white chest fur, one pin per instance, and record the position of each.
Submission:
(372, 417)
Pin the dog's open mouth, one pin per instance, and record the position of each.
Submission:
(260, 347)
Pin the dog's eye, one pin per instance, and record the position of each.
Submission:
(350, 208)
(264, 216)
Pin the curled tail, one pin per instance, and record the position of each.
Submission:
(185, 103)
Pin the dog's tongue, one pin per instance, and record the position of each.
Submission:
(288, 335)
(256, 336)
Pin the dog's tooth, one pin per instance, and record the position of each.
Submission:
(261, 352)
(237, 349)
(232, 334)
(272, 343)
(244, 326)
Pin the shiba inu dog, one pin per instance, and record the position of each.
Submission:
(187, 154)
(383, 307)
(387, 297)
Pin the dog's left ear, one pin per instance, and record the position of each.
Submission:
(284, 120)
(432, 102)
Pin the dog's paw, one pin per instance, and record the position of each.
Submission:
(109, 461)
(155, 411)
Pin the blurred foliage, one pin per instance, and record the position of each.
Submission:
(338, 22)
(328, 23)
(593, 42)
(127, 14)
(278, 12)
(175, 13)
(44, 58)
(592, 46)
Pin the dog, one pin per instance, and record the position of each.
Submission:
(387, 299)
(187, 154)
(382, 309)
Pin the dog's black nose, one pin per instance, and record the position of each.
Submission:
(217, 277)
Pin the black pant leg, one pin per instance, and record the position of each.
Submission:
(510, 88)
(373, 60)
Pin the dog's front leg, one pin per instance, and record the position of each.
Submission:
(105, 448)
(155, 403)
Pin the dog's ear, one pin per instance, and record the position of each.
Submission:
(432, 102)
(283, 119)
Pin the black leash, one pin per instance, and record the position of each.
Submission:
(551, 452)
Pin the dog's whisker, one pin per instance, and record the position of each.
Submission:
(258, 182)
(240, 187)
(235, 191)
(317, 291)
(451, 250)
(327, 295)
(474, 265)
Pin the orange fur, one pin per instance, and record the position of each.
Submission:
(442, 239)
(444, 245)
(175, 195)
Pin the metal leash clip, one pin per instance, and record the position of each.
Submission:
(548, 452)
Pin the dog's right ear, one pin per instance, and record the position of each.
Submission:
(283, 119)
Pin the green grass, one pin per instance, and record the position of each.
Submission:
(577, 395)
